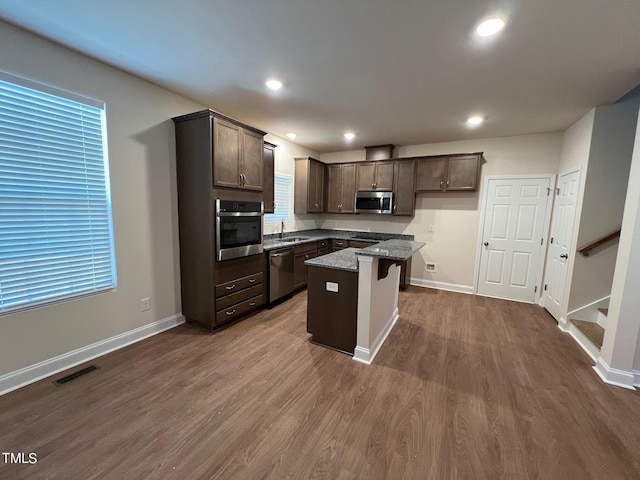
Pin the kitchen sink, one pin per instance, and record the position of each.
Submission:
(293, 239)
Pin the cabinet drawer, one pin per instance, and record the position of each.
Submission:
(237, 297)
(360, 243)
(307, 247)
(238, 284)
(323, 251)
(239, 309)
(324, 244)
(339, 244)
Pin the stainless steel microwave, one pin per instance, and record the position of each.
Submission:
(374, 202)
(238, 229)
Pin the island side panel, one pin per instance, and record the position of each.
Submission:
(332, 316)
(377, 309)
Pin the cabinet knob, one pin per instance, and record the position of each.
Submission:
(447, 183)
(441, 182)
(316, 205)
(395, 208)
(307, 256)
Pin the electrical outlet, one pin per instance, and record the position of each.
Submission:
(145, 304)
(432, 228)
(430, 267)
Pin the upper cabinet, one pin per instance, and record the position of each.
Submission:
(448, 173)
(268, 171)
(237, 155)
(341, 187)
(404, 196)
(374, 176)
(309, 186)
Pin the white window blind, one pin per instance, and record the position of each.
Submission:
(56, 237)
(282, 197)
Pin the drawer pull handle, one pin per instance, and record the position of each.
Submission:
(230, 287)
(252, 280)
(230, 312)
(252, 304)
(306, 256)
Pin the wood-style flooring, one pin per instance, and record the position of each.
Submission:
(465, 387)
(591, 330)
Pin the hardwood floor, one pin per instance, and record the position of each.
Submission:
(465, 387)
(591, 330)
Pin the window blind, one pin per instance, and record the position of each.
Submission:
(282, 197)
(56, 237)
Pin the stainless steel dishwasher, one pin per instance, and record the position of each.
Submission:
(280, 273)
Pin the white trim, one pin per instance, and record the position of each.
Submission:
(20, 378)
(582, 340)
(450, 287)
(636, 376)
(530, 302)
(365, 355)
(590, 312)
(542, 259)
(613, 376)
(562, 324)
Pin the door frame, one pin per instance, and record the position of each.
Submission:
(542, 259)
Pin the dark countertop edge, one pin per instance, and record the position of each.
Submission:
(325, 234)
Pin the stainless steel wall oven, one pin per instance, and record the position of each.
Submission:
(238, 229)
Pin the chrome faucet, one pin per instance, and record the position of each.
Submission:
(281, 228)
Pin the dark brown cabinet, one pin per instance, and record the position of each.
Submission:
(268, 170)
(237, 155)
(373, 176)
(341, 188)
(360, 243)
(404, 196)
(448, 173)
(337, 244)
(309, 186)
(302, 253)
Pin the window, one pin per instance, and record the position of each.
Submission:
(282, 198)
(56, 236)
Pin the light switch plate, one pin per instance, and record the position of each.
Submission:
(332, 287)
(432, 228)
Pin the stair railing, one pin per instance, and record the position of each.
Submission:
(584, 250)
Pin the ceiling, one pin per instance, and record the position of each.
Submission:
(402, 72)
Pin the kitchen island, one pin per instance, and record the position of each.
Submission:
(353, 296)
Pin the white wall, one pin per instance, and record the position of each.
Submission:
(456, 216)
(286, 151)
(142, 169)
(603, 201)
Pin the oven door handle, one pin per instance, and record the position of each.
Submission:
(240, 214)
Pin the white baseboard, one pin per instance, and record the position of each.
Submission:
(589, 312)
(636, 376)
(20, 378)
(584, 342)
(563, 325)
(613, 376)
(365, 355)
(450, 287)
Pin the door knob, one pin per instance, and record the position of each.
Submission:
(564, 255)
(486, 244)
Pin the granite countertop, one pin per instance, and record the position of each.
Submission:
(273, 241)
(345, 259)
(395, 249)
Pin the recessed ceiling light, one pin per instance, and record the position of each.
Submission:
(474, 121)
(274, 84)
(490, 27)
(291, 136)
(349, 136)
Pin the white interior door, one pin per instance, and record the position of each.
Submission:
(564, 211)
(512, 237)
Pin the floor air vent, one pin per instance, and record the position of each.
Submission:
(74, 375)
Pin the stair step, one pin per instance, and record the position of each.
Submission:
(604, 311)
(591, 330)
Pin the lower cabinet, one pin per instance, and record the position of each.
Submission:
(337, 244)
(302, 253)
(240, 288)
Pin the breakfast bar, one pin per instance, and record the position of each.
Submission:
(353, 296)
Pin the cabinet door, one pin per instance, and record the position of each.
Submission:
(316, 187)
(366, 174)
(334, 188)
(268, 172)
(404, 196)
(226, 153)
(430, 174)
(251, 163)
(299, 279)
(384, 176)
(462, 172)
(348, 200)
